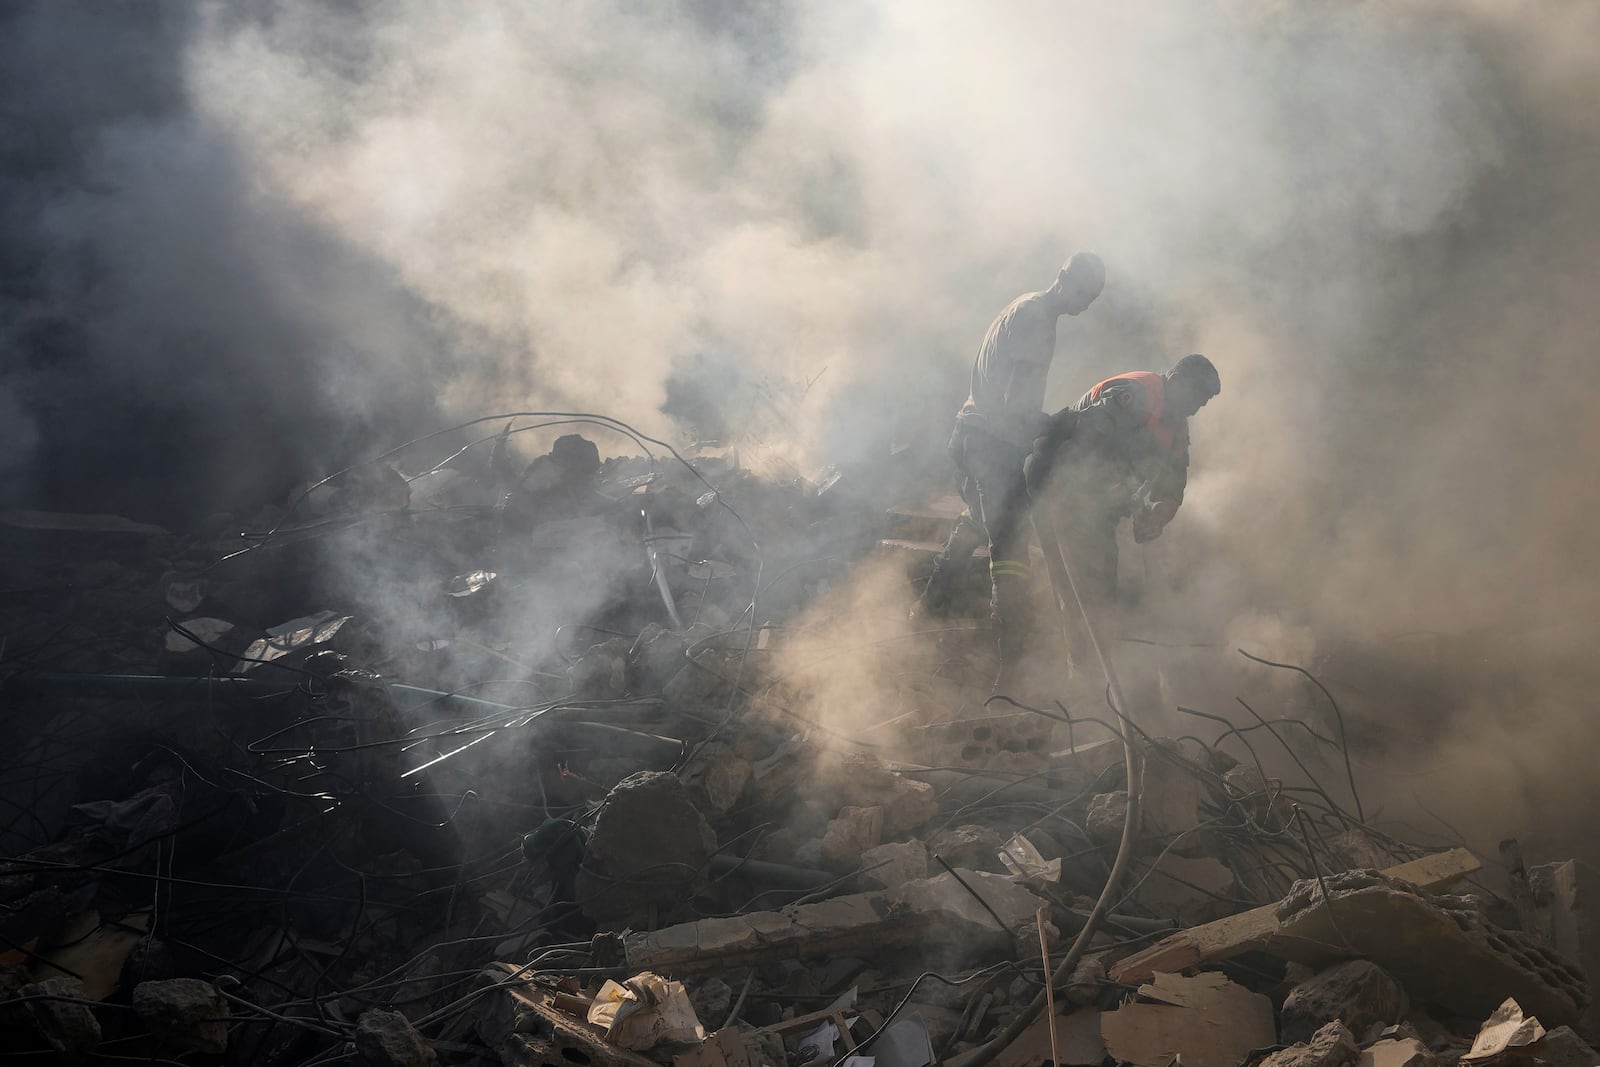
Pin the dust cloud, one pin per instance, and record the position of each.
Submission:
(245, 240)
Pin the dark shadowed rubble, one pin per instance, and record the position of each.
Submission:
(413, 768)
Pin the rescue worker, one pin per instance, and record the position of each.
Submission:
(994, 430)
(1121, 452)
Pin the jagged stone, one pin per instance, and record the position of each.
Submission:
(1562, 1047)
(969, 845)
(712, 1000)
(1331, 1046)
(1357, 992)
(1107, 812)
(387, 1039)
(902, 861)
(1442, 949)
(1399, 1052)
(71, 1029)
(849, 835)
(861, 780)
(648, 847)
(185, 1012)
(717, 780)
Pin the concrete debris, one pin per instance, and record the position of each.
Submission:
(977, 847)
(895, 864)
(1566, 918)
(1331, 1046)
(1259, 928)
(69, 1027)
(1562, 1047)
(1442, 949)
(904, 915)
(647, 848)
(1356, 992)
(1190, 890)
(185, 1012)
(387, 1039)
(849, 835)
(735, 792)
(1206, 1020)
(1397, 1052)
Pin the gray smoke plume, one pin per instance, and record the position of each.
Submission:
(258, 234)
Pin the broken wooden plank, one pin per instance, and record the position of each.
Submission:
(1226, 938)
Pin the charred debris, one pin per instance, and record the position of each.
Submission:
(461, 759)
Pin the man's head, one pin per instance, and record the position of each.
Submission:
(1080, 281)
(1190, 383)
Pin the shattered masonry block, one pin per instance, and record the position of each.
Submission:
(902, 861)
(1169, 803)
(1399, 1052)
(717, 780)
(861, 780)
(969, 845)
(849, 835)
(1441, 949)
(906, 915)
(1562, 1047)
(185, 1012)
(1358, 992)
(1567, 901)
(648, 846)
(387, 1039)
(70, 1028)
(975, 742)
(1105, 817)
(1331, 1046)
(1190, 890)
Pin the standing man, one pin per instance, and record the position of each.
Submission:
(994, 431)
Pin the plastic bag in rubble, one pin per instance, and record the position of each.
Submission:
(645, 1012)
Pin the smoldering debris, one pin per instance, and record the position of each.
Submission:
(462, 756)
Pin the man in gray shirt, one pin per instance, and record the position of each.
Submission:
(994, 430)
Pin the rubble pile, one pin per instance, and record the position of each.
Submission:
(455, 759)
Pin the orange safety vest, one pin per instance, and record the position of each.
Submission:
(1154, 387)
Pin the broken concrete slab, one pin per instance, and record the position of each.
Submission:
(969, 845)
(895, 863)
(1169, 802)
(648, 848)
(1225, 938)
(851, 833)
(861, 780)
(185, 1012)
(1357, 992)
(69, 1027)
(1331, 1046)
(1562, 1047)
(1566, 905)
(1191, 890)
(1442, 949)
(896, 917)
(387, 1039)
(1077, 1040)
(1207, 1020)
(1397, 1052)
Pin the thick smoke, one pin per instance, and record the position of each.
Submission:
(272, 229)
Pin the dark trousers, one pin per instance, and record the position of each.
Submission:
(996, 496)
